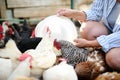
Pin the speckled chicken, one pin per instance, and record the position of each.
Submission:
(91, 68)
(83, 70)
(109, 76)
(70, 52)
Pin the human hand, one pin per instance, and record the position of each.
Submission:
(78, 15)
(86, 43)
(81, 42)
(66, 12)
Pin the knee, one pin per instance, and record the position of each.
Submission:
(112, 59)
(91, 30)
(86, 30)
(83, 28)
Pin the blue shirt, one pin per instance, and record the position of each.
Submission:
(114, 15)
(100, 10)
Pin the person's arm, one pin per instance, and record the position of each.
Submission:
(78, 15)
(113, 40)
(118, 0)
(95, 13)
(86, 43)
(93, 43)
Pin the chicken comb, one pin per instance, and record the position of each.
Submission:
(1, 32)
(10, 31)
(1, 28)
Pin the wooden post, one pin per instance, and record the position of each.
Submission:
(72, 4)
(2, 9)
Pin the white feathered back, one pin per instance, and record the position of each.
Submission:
(61, 28)
(11, 51)
(62, 71)
(23, 69)
(5, 68)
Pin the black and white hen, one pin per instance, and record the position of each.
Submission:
(70, 52)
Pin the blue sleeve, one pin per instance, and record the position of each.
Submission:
(117, 25)
(96, 11)
(110, 41)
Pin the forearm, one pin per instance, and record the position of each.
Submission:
(86, 43)
(79, 15)
(93, 43)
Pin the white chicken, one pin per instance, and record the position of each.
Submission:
(23, 69)
(5, 68)
(61, 71)
(62, 28)
(5, 27)
(43, 56)
(11, 51)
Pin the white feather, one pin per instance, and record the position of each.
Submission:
(61, 28)
(23, 69)
(11, 51)
(43, 56)
(61, 71)
(5, 68)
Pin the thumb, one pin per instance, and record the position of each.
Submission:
(76, 40)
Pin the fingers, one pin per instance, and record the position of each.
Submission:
(76, 42)
(61, 12)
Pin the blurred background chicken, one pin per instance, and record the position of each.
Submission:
(10, 49)
(3, 29)
(1, 37)
(23, 37)
(25, 31)
(5, 26)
